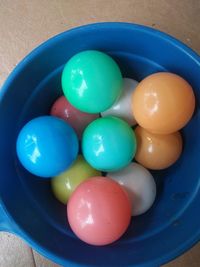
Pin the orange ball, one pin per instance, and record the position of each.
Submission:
(163, 103)
(156, 151)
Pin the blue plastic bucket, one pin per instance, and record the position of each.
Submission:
(27, 207)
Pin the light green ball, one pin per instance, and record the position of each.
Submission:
(92, 81)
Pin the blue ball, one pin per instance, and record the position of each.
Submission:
(47, 146)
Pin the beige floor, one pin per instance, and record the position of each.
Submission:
(26, 23)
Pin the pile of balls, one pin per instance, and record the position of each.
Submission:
(100, 183)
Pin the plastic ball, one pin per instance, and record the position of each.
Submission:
(77, 119)
(91, 81)
(99, 211)
(140, 186)
(65, 183)
(163, 103)
(46, 146)
(108, 144)
(155, 151)
(122, 108)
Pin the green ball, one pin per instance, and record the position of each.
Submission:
(108, 144)
(91, 81)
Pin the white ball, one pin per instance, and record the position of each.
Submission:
(122, 108)
(140, 186)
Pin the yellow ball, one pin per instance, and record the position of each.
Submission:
(64, 184)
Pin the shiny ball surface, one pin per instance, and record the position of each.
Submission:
(91, 81)
(77, 119)
(163, 103)
(65, 183)
(46, 146)
(108, 144)
(99, 211)
(140, 186)
(122, 108)
(155, 151)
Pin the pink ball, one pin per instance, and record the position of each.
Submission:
(99, 211)
(77, 119)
